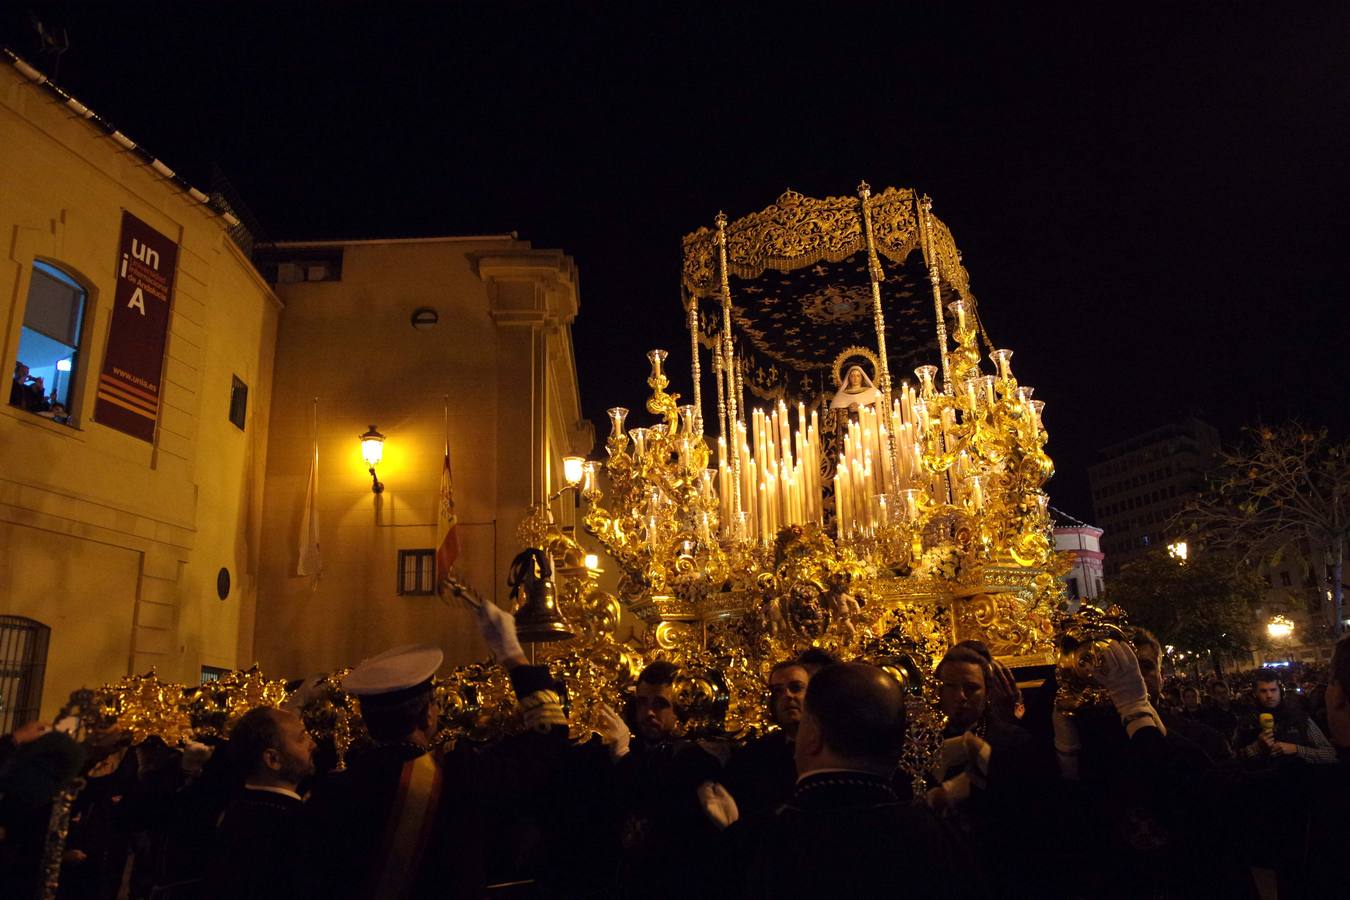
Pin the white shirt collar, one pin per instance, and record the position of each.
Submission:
(285, 792)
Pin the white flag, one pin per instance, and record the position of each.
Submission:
(311, 563)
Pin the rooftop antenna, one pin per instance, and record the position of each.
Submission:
(54, 42)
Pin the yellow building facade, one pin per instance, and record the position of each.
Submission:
(465, 338)
(117, 544)
(179, 553)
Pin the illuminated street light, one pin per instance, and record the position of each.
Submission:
(1178, 550)
(372, 451)
(1279, 627)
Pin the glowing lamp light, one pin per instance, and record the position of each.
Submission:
(573, 467)
(372, 451)
(63, 365)
(592, 561)
(1279, 627)
(1178, 550)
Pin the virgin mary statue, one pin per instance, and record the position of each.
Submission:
(856, 391)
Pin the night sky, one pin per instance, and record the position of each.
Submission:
(1151, 202)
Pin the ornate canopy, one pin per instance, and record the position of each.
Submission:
(801, 291)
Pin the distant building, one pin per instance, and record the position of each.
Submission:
(1144, 481)
(1084, 581)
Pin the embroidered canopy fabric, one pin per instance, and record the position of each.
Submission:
(801, 293)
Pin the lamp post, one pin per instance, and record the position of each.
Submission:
(372, 451)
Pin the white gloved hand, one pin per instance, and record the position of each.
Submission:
(718, 805)
(954, 753)
(498, 628)
(613, 732)
(1119, 673)
(306, 693)
(979, 751)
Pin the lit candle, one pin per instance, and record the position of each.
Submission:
(976, 491)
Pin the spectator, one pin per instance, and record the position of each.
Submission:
(1288, 734)
(1219, 712)
(1338, 698)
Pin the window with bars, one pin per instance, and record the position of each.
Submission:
(23, 668)
(417, 572)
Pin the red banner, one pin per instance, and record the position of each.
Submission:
(133, 364)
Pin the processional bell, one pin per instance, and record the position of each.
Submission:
(531, 583)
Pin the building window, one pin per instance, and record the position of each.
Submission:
(23, 668)
(238, 402)
(1284, 579)
(212, 673)
(417, 571)
(49, 344)
(1073, 587)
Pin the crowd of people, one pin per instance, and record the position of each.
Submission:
(1183, 790)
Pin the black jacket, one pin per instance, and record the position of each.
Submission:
(848, 834)
(257, 850)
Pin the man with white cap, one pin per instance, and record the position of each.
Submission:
(402, 821)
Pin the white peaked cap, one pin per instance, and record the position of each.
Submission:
(396, 669)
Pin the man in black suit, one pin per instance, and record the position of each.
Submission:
(763, 772)
(259, 838)
(845, 828)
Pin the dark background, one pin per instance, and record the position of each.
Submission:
(1151, 201)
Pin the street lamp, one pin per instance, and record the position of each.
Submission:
(572, 469)
(1178, 550)
(1279, 627)
(372, 451)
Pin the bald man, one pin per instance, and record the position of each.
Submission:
(845, 828)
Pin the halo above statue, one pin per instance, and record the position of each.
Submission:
(857, 385)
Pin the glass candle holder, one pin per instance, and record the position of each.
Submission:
(975, 488)
(687, 418)
(616, 416)
(639, 436)
(958, 308)
(989, 382)
(926, 374)
(910, 498)
(590, 478)
(972, 388)
(706, 481)
(1002, 360)
(656, 357)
